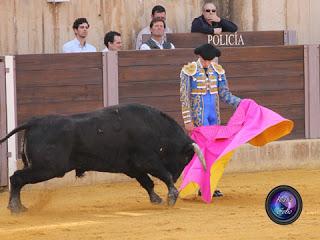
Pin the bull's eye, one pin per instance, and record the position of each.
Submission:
(99, 131)
(186, 159)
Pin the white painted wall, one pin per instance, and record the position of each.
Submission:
(298, 15)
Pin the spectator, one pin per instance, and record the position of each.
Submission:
(210, 23)
(112, 41)
(157, 40)
(157, 12)
(79, 44)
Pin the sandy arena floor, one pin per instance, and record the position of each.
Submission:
(122, 211)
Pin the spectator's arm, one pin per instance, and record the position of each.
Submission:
(65, 49)
(228, 26)
(168, 30)
(145, 47)
(199, 26)
(139, 40)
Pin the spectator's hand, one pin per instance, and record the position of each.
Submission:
(215, 18)
(189, 127)
(217, 31)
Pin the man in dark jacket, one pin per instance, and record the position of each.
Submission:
(210, 23)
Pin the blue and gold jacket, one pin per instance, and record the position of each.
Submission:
(195, 83)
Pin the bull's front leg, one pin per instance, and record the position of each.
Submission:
(148, 184)
(166, 177)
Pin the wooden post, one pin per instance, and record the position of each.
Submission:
(3, 126)
(312, 91)
(290, 37)
(11, 113)
(110, 78)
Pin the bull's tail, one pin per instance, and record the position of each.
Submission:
(17, 129)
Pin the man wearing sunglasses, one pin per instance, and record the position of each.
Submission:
(210, 23)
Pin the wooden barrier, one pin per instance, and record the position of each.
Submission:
(3, 126)
(58, 84)
(240, 39)
(152, 78)
(273, 76)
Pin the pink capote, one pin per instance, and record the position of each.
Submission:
(250, 123)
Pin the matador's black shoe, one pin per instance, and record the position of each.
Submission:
(217, 193)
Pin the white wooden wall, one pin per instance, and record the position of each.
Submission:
(35, 26)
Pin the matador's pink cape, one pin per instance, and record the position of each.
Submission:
(250, 123)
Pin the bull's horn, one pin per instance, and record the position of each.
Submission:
(198, 151)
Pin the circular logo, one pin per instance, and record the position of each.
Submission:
(283, 205)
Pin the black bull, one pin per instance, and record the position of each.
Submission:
(132, 139)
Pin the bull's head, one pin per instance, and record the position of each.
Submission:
(178, 160)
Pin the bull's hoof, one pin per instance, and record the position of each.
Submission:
(17, 208)
(172, 197)
(155, 199)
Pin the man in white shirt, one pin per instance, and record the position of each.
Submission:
(157, 12)
(157, 40)
(112, 41)
(79, 44)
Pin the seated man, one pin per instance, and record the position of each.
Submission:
(157, 40)
(79, 44)
(210, 23)
(157, 12)
(112, 41)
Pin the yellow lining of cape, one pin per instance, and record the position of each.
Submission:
(216, 173)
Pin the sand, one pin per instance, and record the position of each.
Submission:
(122, 211)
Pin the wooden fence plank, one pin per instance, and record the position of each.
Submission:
(261, 54)
(183, 56)
(58, 61)
(62, 77)
(243, 69)
(59, 94)
(239, 84)
(58, 84)
(62, 108)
